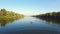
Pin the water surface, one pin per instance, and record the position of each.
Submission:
(29, 25)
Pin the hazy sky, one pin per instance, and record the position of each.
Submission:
(31, 7)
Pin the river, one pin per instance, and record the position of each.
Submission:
(30, 25)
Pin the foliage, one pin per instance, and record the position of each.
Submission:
(52, 15)
(9, 14)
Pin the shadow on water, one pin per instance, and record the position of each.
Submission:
(52, 21)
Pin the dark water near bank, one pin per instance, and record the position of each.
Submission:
(29, 25)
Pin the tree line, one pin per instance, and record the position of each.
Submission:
(52, 15)
(9, 14)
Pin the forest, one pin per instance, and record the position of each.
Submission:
(4, 14)
(51, 15)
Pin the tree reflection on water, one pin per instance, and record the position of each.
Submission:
(3, 22)
(53, 21)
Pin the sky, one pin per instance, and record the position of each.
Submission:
(31, 7)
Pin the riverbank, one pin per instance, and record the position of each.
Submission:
(52, 15)
(4, 14)
(8, 16)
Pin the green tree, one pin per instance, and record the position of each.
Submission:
(4, 12)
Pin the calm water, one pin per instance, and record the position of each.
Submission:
(29, 25)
